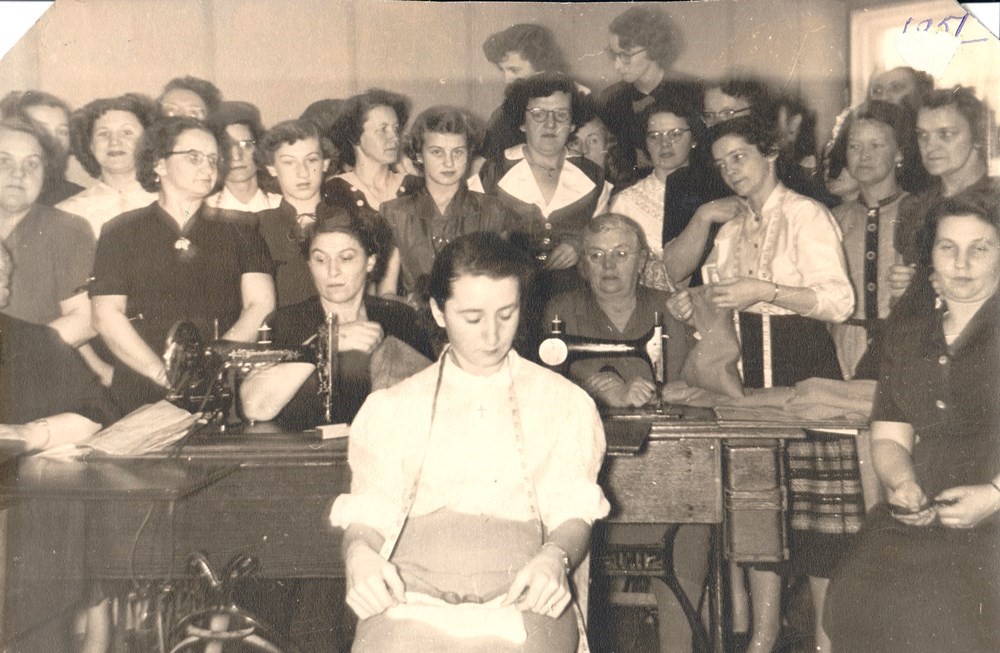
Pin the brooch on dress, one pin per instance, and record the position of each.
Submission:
(182, 244)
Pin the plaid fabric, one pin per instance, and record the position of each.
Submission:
(825, 484)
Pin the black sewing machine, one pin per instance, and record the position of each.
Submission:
(559, 350)
(205, 378)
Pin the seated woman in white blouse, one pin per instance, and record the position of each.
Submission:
(493, 471)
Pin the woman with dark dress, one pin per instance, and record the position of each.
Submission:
(52, 114)
(644, 44)
(441, 143)
(367, 135)
(614, 306)
(780, 263)
(924, 574)
(341, 251)
(169, 262)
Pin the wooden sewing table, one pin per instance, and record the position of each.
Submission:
(268, 493)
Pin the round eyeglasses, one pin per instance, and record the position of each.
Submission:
(197, 157)
(541, 115)
(618, 255)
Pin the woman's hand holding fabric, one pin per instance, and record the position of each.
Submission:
(541, 586)
(373, 583)
(562, 257)
(971, 505)
(740, 293)
(910, 496)
(359, 336)
(680, 306)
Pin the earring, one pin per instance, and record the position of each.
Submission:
(899, 165)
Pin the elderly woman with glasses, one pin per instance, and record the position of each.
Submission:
(169, 262)
(644, 44)
(613, 305)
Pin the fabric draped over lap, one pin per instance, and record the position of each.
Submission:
(472, 522)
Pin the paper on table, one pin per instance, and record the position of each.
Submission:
(152, 427)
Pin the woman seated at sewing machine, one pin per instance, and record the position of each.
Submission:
(377, 340)
(614, 306)
(491, 462)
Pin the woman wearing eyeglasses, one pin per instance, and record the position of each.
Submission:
(169, 262)
(246, 179)
(665, 201)
(555, 194)
(644, 46)
(741, 97)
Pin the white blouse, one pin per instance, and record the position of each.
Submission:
(795, 241)
(643, 202)
(520, 182)
(260, 201)
(100, 203)
(472, 462)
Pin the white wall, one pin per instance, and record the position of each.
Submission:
(283, 54)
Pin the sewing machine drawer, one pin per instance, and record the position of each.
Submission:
(672, 480)
(755, 528)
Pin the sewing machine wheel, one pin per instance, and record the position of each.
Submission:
(553, 351)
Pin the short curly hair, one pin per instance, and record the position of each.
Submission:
(535, 43)
(286, 133)
(14, 103)
(159, 140)
(759, 95)
(901, 121)
(759, 133)
(206, 90)
(350, 124)
(982, 204)
(82, 124)
(681, 107)
(522, 91)
(652, 29)
(55, 158)
(443, 120)
(963, 98)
